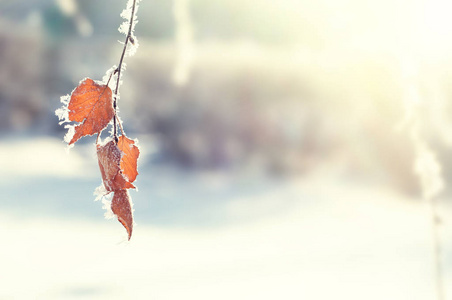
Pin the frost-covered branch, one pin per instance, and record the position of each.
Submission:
(92, 107)
(130, 15)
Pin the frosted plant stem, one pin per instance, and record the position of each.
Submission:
(118, 70)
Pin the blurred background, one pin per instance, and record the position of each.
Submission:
(289, 150)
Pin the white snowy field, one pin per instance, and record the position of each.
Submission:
(204, 237)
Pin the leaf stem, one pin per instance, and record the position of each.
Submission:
(109, 78)
(120, 126)
(128, 37)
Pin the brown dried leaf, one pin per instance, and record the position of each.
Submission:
(122, 208)
(109, 157)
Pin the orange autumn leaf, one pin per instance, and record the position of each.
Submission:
(121, 207)
(90, 104)
(109, 157)
(129, 157)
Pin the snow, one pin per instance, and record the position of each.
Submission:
(69, 134)
(102, 143)
(132, 46)
(314, 237)
(124, 27)
(106, 205)
(100, 192)
(126, 14)
(63, 113)
(108, 77)
(42, 157)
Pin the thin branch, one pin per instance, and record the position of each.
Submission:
(128, 37)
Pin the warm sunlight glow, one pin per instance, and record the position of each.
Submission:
(438, 23)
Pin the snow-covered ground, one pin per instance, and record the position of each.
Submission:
(207, 236)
